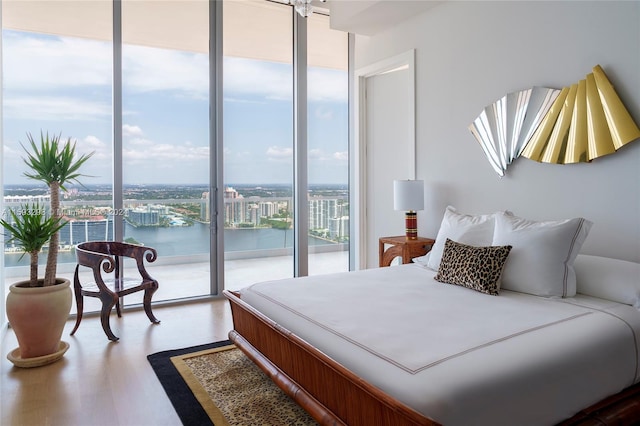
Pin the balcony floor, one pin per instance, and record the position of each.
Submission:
(184, 280)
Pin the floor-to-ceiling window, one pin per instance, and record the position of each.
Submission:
(57, 76)
(58, 73)
(258, 141)
(328, 146)
(165, 140)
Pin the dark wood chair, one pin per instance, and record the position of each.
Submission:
(105, 258)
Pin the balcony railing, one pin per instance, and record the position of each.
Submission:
(255, 249)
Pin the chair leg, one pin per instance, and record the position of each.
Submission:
(79, 301)
(79, 306)
(107, 307)
(148, 294)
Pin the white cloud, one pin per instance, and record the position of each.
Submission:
(101, 150)
(316, 154)
(254, 78)
(174, 155)
(242, 101)
(143, 152)
(141, 142)
(341, 156)
(54, 108)
(10, 154)
(93, 142)
(48, 66)
(58, 79)
(38, 64)
(129, 130)
(328, 85)
(319, 156)
(324, 113)
(98, 167)
(279, 153)
(148, 69)
(275, 81)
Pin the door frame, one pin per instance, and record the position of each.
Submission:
(358, 155)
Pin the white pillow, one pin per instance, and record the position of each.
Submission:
(541, 261)
(422, 260)
(473, 230)
(611, 279)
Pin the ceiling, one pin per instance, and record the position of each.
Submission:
(370, 17)
(183, 24)
(254, 29)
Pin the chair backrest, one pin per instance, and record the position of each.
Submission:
(107, 253)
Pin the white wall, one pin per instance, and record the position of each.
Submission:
(468, 54)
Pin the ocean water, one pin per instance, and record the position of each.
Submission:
(173, 241)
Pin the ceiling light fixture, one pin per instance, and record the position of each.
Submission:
(303, 7)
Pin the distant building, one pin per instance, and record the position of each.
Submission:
(268, 208)
(80, 231)
(339, 227)
(234, 206)
(321, 211)
(71, 192)
(159, 208)
(17, 202)
(229, 192)
(254, 214)
(205, 208)
(142, 216)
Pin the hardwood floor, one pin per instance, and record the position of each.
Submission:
(99, 382)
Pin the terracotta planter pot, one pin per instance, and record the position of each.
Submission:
(38, 315)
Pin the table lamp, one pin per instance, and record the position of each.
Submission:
(408, 195)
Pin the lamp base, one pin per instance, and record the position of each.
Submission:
(411, 225)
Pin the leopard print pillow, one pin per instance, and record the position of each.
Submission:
(477, 268)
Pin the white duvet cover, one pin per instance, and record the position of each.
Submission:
(459, 356)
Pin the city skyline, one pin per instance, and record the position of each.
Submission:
(89, 220)
(33, 186)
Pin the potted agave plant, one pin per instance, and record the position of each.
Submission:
(37, 309)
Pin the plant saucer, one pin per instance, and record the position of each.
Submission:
(14, 357)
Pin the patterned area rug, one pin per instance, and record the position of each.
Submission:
(217, 384)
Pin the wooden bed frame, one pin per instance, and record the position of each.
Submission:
(333, 395)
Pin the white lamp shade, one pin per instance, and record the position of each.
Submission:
(408, 195)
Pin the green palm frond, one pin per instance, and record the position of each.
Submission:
(30, 228)
(53, 161)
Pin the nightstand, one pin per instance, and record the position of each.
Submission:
(401, 246)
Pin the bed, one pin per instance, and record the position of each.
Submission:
(394, 346)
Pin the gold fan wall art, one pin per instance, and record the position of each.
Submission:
(576, 124)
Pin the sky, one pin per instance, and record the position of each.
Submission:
(63, 85)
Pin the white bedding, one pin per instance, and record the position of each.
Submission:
(458, 356)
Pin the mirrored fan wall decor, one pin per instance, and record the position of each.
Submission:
(575, 124)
